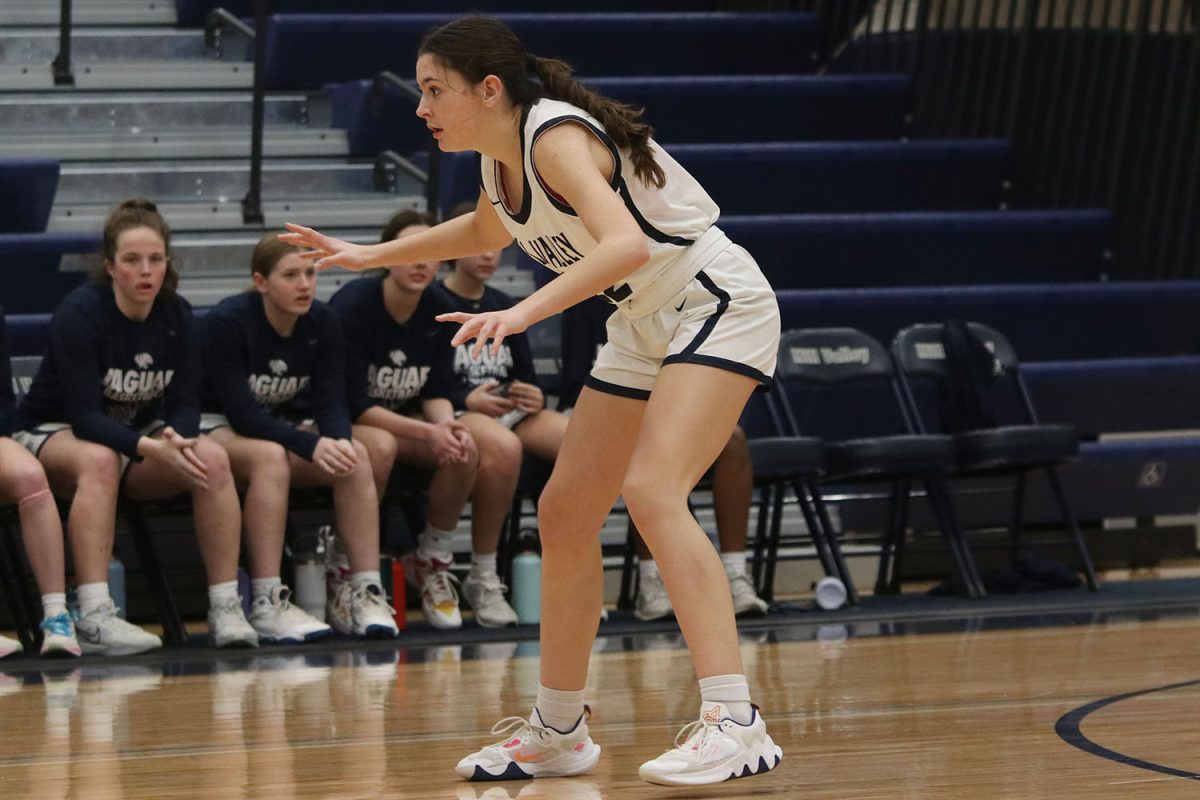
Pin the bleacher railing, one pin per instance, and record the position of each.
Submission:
(1099, 98)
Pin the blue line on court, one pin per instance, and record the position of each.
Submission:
(1068, 730)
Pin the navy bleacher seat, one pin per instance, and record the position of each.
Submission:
(924, 248)
(1115, 395)
(597, 44)
(811, 177)
(769, 108)
(1044, 322)
(30, 279)
(27, 189)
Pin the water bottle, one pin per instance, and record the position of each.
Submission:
(308, 575)
(116, 584)
(527, 581)
(399, 595)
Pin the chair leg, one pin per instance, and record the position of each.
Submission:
(1089, 569)
(1018, 519)
(886, 579)
(767, 591)
(831, 538)
(760, 536)
(168, 612)
(817, 531)
(955, 540)
(625, 599)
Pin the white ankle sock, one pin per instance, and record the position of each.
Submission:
(91, 596)
(436, 543)
(261, 587)
(558, 708)
(53, 604)
(482, 565)
(220, 594)
(735, 562)
(366, 578)
(732, 691)
(647, 568)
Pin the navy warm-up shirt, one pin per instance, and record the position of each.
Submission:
(265, 383)
(515, 359)
(389, 364)
(8, 408)
(107, 375)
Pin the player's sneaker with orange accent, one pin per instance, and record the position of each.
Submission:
(439, 594)
(532, 749)
(715, 748)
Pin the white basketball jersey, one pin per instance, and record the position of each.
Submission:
(676, 219)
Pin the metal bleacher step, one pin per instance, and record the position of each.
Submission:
(213, 142)
(78, 112)
(88, 12)
(92, 44)
(221, 181)
(332, 211)
(135, 75)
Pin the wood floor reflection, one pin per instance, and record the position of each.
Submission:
(963, 715)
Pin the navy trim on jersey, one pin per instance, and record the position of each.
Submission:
(593, 382)
(522, 215)
(648, 229)
(600, 134)
(710, 323)
(720, 363)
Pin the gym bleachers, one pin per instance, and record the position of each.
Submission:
(650, 43)
(27, 187)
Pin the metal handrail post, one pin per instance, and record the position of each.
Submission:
(252, 212)
(63, 76)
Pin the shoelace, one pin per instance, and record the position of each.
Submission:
(365, 596)
(518, 727)
(491, 583)
(58, 625)
(699, 727)
(440, 584)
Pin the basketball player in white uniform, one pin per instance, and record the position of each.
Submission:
(577, 181)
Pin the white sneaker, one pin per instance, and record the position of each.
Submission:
(652, 601)
(58, 636)
(714, 748)
(745, 599)
(10, 647)
(277, 620)
(370, 613)
(227, 626)
(485, 593)
(102, 631)
(439, 597)
(337, 599)
(530, 749)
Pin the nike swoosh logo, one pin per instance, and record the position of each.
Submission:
(680, 306)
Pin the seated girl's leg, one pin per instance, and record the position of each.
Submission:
(542, 434)
(361, 607)
(23, 481)
(495, 484)
(90, 474)
(260, 468)
(381, 451)
(218, 517)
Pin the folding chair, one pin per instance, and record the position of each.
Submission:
(835, 380)
(973, 369)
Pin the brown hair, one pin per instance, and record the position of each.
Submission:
(478, 46)
(137, 213)
(268, 252)
(402, 219)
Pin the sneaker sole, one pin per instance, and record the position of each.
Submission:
(379, 632)
(518, 772)
(117, 650)
(762, 759)
(61, 651)
(308, 637)
(234, 644)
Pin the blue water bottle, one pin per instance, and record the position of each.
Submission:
(527, 579)
(116, 584)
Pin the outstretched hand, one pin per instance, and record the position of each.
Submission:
(326, 251)
(490, 325)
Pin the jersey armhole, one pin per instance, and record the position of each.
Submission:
(557, 200)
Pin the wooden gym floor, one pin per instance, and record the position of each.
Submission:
(1105, 705)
